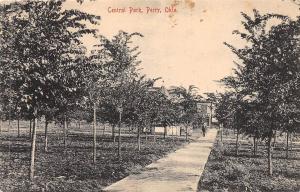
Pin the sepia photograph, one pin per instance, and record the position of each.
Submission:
(149, 95)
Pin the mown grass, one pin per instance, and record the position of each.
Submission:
(71, 169)
(225, 171)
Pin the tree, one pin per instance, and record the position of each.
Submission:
(119, 62)
(140, 104)
(269, 61)
(39, 41)
(187, 100)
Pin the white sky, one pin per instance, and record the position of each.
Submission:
(186, 47)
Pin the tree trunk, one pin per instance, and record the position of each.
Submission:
(165, 132)
(237, 143)
(146, 138)
(221, 135)
(291, 142)
(33, 141)
(18, 121)
(139, 139)
(30, 127)
(1, 124)
(270, 168)
(33, 125)
(119, 139)
(9, 120)
(65, 131)
(103, 130)
(37, 124)
(154, 136)
(113, 133)
(287, 145)
(186, 133)
(46, 135)
(254, 145)
(180, 131)
(95, 135)
(173, 134)
(8, 127)
(274, 142)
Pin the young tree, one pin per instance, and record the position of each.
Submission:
(187, 100)
(140, 104)
(39, 41)
(269, 61)
(119, 62)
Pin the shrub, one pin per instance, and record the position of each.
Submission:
(218, 152)
(236, 172)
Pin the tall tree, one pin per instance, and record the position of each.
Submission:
(39, 41)
(119, 61)
(187, 99)
(269, 62)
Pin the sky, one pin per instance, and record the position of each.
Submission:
(183, 47)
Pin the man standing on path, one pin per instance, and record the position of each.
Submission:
(204, 129)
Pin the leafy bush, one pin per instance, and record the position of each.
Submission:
(236, 172)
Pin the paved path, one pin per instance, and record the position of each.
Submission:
(179, 171)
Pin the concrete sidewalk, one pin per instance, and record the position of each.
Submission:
(179, 171)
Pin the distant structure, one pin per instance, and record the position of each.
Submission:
(161, 89)
(206, 109)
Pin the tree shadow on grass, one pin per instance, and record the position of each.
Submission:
(284, 149)
(290, 158)
(242, 154)
(14, 148)
(291, 175)
(22, 138)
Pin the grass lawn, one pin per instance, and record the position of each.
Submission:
(225, 171)
(71, 169)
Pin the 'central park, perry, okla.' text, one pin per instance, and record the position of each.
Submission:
(147, 10)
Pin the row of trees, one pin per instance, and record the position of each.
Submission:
(263, 95)
(46, 71)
